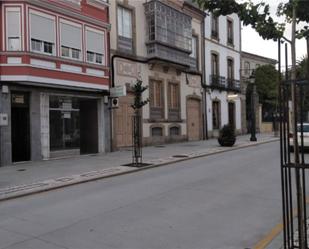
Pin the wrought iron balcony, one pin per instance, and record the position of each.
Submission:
(233, 85)
(220, 82)
(214, 34)
(230, 40)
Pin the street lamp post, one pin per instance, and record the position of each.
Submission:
(253, 114)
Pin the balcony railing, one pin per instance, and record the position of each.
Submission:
(230, 41)
(214, 34)
(220, 82)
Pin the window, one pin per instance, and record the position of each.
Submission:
(230, 32)
(95, 46)
(247, 68)
(71, 40)
(214, 64)
(156, 99)
(216, 115)
(41, 46)
(157, 132)
(214, 26)
(42, 33)
(124, 18)
(173, 101)
(230, 69)
(13, 29)
(194, 52)
(174, 131)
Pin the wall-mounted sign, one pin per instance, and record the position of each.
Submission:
(4, 119)
(18, 99)
(118, 91)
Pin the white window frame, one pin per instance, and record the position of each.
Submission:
(95, 54)
(42, 42)
(131, 24)
(78, 25)
(14, 9)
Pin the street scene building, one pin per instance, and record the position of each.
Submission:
(249, 63)
(222, 57)
(54, 73)
(160, 43)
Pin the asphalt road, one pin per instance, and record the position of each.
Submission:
(225, 201)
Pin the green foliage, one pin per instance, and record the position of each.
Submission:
(266, 80)
(301, 68)
(227, 136)
(258, 15)
(138, 90)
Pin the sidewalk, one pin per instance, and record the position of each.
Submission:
(32, 177)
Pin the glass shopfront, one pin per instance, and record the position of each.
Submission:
(64, 123)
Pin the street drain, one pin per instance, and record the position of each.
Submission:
(21, 170)
(180, 156)
(159, 146)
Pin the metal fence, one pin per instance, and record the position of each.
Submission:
(294, 142)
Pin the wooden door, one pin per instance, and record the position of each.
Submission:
(194, 119)
(123, 122)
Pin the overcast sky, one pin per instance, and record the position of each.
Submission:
(251, 42)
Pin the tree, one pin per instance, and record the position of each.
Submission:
(266, 81)
(138, 104)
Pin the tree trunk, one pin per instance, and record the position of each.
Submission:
(299, 186)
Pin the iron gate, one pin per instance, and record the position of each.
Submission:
(294, 113)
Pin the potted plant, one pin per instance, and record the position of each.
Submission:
(227, 136)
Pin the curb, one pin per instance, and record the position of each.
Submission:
(14, 192)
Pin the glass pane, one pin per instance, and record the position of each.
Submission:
(119, 16)
(56, 130)
(127, 24)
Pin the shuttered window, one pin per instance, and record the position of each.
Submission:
(42, 33)
(71, 40)
(13, 29)
(156, 99)
(95, 46)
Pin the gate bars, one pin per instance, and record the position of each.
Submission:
(294, 160)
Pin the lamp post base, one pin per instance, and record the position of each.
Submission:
(253, 139)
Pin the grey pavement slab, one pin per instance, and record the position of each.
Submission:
(224, 201)
(30, 177)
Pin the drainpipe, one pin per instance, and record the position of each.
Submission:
(205, 123)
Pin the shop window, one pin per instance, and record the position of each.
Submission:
(157, 132)
(174, 131)
(64, 123)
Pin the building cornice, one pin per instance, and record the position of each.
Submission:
(258, 57)
(222, 45)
